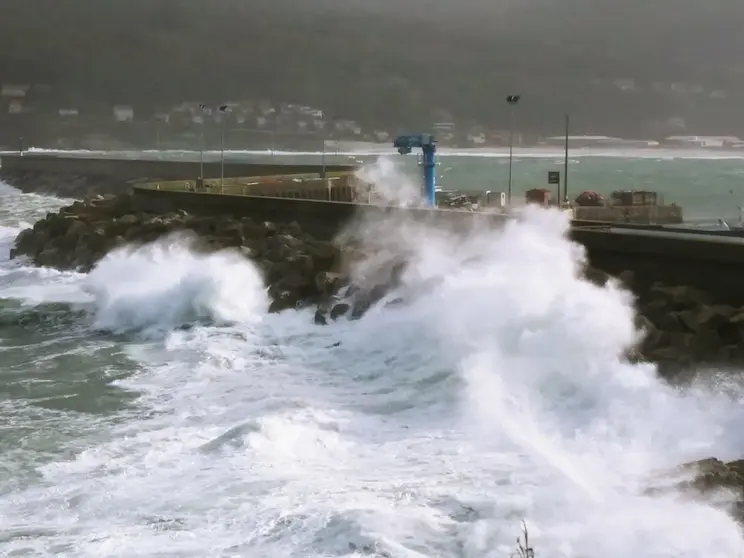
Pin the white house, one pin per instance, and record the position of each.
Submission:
(123, 113)
(14, 91)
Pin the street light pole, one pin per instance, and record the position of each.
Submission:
(223, 110)
(202, 108)
(323, 137)
(565, 165)
(512, 101)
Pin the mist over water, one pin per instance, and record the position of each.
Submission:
(495, 391)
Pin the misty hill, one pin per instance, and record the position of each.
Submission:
(391, 62)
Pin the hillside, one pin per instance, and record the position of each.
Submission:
(388, 61)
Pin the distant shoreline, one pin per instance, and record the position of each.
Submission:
(376, 150)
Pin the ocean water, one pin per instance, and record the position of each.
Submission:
(708, 184)
(431, 428)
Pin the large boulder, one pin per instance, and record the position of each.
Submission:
(687, 328)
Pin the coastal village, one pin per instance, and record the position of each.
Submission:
(251, 122)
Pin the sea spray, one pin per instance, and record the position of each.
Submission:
(166, 284)
(542, 357)
(429, 428)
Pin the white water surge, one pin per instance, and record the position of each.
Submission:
(427, 429)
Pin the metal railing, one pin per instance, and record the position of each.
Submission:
(335, 186)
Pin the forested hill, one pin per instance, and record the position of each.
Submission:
(389, 60)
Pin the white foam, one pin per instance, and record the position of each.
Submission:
(165, 284)
(499, 386)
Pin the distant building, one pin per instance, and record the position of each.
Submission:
(15, 106)
(445, 131)
(477, 138)
(625, 84)
(348, 126)
(598, 141)
(266, 108)
(702, 141)
(123, 113)
(9, 91)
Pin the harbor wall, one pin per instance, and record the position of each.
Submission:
(657, 214)
(69, 176)
(715, 265)
(321, 218)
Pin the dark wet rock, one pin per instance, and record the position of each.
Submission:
(627, 279)
(363, 300)
(339, 310)
(596, 276)
(298, 269)
(714, 474)
(706, 478)
(328, 282)
(683, 327)
(320, 317)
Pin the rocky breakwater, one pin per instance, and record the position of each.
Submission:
(299, 269)
(719, 482)
(683, 326)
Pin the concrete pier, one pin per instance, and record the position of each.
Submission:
(69, 176)
(714, 264)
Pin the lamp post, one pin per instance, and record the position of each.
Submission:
(323, 138)
(223, 110)
(203, 109)
(565, 164)
(512, 101)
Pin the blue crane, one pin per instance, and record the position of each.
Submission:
(428, 144)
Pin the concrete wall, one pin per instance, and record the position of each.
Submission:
(709, 263)
(77, 177)
(661, 214)
(337, 186)
(714, 265)
(322, 218)
(128, 169)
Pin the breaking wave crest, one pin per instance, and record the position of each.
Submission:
(166, 284)
(496, 390)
